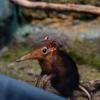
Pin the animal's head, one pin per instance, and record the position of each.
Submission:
(41, 51)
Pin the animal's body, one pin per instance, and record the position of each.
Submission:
(65, 76)
(56, 63)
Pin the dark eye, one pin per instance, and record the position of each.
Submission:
(44, 49)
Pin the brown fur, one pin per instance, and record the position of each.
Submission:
(56, 63)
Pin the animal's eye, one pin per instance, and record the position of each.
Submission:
(44, 50)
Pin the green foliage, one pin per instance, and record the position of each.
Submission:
(95, 61)
(13, 52)
(9, 73)
(76, 56)
(86, 52)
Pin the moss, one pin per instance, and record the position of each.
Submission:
(77, 57)
(5, 57)
(9, 73)
(14, 51)
(86, 52)
(95, 61)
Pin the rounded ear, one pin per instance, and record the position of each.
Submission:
(46, 38)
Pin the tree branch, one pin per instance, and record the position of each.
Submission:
(59, 7)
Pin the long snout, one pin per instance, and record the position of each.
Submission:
(28, 56)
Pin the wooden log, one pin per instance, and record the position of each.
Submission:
(59, 7)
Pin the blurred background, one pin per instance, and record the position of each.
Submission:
(21, 28)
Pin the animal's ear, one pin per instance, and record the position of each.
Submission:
(46, 38)
(54, 44)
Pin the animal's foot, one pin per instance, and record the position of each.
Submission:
(42, 80)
